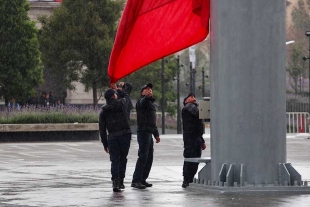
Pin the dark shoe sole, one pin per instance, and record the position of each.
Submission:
(148, 185)
(185, 184)
(138, 186)
(116, 190)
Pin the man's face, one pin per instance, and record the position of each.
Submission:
(191, 99)
(115, 96)
(147, 92)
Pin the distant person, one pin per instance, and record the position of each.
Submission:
(51, 99)
(194, 143)
(113, 119)
(42, 100)
(146, 118)
(58, 104)
(47, 100)
(12, 104)
(32, 101)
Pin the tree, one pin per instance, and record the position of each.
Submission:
(202, 61)
(77, 39)
(295, 65)
(152, 73)
(20, 64)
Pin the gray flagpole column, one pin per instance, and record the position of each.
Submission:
(248, 123)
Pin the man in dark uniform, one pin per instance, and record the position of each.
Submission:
(193, 129)
(42, 100)
(146, 117)
(113, 118)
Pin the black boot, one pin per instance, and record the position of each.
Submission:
(121, 183)
(185, 184)
(116, 187)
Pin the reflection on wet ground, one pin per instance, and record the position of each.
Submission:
(78, 174)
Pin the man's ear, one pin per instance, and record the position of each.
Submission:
(186, 100)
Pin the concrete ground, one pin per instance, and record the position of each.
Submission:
(78, 174)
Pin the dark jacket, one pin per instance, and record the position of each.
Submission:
(32, 101)
(127, 89)
(51, 100)
(146, 115)
(42, 101)
(113, 118)
(191, 122)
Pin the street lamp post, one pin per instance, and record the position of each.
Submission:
(178, 97)
(194, 80)
(203, 82)
(307, 33)
(190, 77)
(163, 94)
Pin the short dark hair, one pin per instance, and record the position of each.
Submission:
(190, 94)
(109, 93)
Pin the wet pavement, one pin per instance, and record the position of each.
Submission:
(78, 174)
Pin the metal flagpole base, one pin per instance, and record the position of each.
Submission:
(233, 180)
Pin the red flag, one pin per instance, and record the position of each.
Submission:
(152, 29)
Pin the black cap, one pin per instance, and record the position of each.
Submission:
(109, 93)
(190, 94)
(149, 85)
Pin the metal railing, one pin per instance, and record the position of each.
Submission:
(297, 122)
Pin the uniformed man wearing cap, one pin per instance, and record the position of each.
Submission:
(114, 119)
(193, 129)
(146, 118)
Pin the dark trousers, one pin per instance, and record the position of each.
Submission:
(191, 149)
(118, 150)
(145, 157)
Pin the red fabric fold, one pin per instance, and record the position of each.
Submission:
(152, 29)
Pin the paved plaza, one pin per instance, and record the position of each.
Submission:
(78, 174)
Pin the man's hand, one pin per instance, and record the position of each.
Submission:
(157, 139)
(120, 85)
(203, 146)
(113, 86)
(190, 99)
(149, 93)
(106, 150)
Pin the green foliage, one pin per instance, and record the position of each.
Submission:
(202, 61)
(76, 41)
(53, 115)
(172, 109)
(300, 16)
(296, 66)
(20, 64)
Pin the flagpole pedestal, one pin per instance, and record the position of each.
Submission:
(248, 93)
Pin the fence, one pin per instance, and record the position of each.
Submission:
(292, 106)
(297, 122)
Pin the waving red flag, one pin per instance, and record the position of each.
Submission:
(152, 29)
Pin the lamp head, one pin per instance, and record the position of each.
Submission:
(307, 33)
